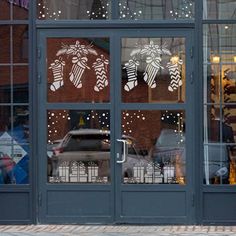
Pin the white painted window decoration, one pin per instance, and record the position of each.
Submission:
(153, 57)
(79, 53)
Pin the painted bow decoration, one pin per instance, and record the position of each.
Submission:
(153, 53)
(79, 53)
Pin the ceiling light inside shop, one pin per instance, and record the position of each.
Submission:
(216, 59)
(174, 59)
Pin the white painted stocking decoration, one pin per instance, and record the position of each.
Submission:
(175, 76)
(57, 70)
(77, 70)
(152, 68)
(100, 67)
(131, 68)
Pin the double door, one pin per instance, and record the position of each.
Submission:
(115, 119)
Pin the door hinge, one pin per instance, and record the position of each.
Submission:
(193, 200)
(39, 53)
(191, 51)
(191, 78)
(39, 78)
(40, 199)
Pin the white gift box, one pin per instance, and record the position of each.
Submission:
(64, 172)
(148, 179)
(83, 178)
(63, 179)
(169, 172)
(73, 179)
(137, 180)
(51, 179)
(149, 173)
(93, 179)
(92, 172)
(126, 180)
(105, 179)
(139, 173)
(158, 180)
(157, 173)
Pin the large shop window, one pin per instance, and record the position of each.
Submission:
(127, 9)
(14, 99)
(219, 104)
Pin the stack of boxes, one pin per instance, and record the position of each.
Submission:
(169, 173)
(78, 173)
(138, 174)
(149, 174)
(157, 175)
(92, 172)
(64, 172)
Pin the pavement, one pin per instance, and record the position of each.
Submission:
(115, 230)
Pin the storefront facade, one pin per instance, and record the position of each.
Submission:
(118, 112)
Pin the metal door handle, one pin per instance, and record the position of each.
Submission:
(124, 151)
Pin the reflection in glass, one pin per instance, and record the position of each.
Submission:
(220, 83)
(5, 10)
(78, 70)
(73, 9)
(219, 124)
(20, 44)
(5, 44)
(219, 92)
(219, 9)
(5, 84)
(156, 147)
(158, 9)
(14, 163)
(20, 130)
(20, 84)
(219, 43)
(151, 66)
(20, 9)
(14, 148)
(78, 148)
(217, 164)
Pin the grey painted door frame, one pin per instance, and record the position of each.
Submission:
(118, 196)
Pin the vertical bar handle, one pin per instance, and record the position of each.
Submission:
(124, 151)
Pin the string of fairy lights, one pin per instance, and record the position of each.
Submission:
(102, 120)
(183, 9)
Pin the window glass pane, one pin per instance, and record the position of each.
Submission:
(219, 63)
(216, 164)
(78, 70)
(153, 70)
(14, 148)
(5, 44)
(158, 9)
(219, 9)
(5, 122)
(219, 46)
(5, 84)
(220, 124)
(73, 9)
(230, 116)
(20, 84)
(5, 10)
(78, 148)
(20, 131)
(20, 44)
(14, 164)
(20, 9)
(155, 143)
(232, 166)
